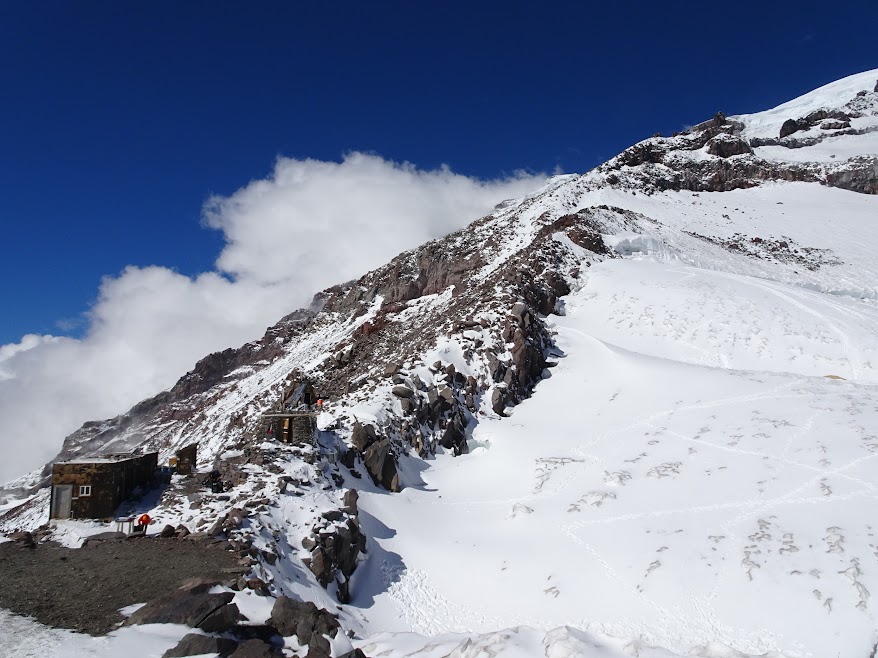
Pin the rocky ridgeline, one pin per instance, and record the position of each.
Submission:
(489, 280)
(366, 347)
(666, 163)
(496, 316)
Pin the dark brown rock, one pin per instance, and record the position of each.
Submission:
(355, 653)
(302, 619)
(498, 401)
(381, 464)
(391, 369)
(221, 620)
(196, 645)
(350, 501)
(318, 647)
(402, 391)
(321, 566)
(258, 585)
(235, 518)
(362, 436)
(180, 607)
(726, 146)
(332, 515)
(788, 128)
(256, 649)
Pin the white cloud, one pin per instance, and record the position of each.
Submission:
(27, 342)
(310, 225)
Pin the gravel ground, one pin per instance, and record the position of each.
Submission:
(83, 588)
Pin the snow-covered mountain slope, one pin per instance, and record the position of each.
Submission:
(835, 95)
(659, 378)
(643, 497)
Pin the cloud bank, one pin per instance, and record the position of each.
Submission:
(308, 226)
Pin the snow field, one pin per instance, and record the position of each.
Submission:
(642, 497)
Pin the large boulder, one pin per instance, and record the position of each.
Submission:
(182, 606)
(454, 436)
(403, 391)
(197, 645)
(302, 619)
(321, 566)
(381, 464)
(256, 649)
(788, 127)
(350, 499)
(498, 401)
(363, 436)
(725, 146)
(221, 619)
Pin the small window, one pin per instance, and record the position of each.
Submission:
(85, 490)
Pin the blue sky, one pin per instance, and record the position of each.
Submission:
(118, 120)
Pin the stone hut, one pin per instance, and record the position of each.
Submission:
(93, 487)
(186, 458)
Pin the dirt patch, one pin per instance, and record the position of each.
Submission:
(83, 588)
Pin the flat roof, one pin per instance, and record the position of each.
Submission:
(106, 459)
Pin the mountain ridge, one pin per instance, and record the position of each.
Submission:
(414, 356)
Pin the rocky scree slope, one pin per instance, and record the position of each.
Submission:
(723, 154)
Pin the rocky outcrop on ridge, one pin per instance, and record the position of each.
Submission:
(670, 163)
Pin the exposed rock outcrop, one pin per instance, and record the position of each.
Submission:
(191, 607)
(196, 645)
(380, 462)
(726, 146)
(301, 619)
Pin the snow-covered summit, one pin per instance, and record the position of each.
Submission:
(834, 95)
